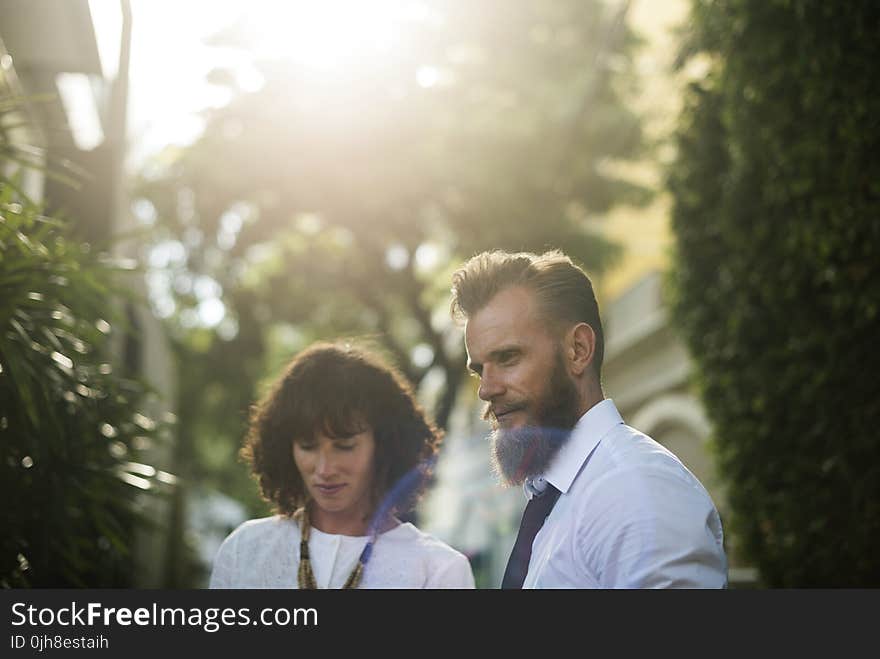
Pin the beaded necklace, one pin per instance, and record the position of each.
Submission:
(306, 577)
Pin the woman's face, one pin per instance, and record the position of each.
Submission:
(338, 473)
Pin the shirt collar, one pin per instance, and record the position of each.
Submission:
(585, 436)
(534, 486)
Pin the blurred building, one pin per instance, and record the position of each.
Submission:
(646, 372)
(68, 60)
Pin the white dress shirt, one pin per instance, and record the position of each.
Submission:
(264, 553)
(630, 514)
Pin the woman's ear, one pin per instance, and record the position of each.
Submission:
(581, 348)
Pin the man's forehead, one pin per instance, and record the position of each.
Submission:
(508, 318)
(512, 300)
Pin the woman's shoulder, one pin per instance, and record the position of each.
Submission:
(411, 535)
(246, 552)
(261, 528)
(445, 567)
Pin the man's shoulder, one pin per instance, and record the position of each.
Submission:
(626, 447)
(628, 461)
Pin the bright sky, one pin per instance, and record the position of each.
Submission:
(170, 61)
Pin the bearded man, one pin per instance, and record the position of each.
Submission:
(608, 506)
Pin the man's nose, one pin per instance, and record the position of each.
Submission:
(491, 385)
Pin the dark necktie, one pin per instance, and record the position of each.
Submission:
(537, 509)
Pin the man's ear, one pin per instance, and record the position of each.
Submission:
(581, 348)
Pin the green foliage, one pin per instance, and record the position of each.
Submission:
(328, 205)
(70, 427)
(777, 281)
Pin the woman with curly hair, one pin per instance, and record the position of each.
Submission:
(339, 447)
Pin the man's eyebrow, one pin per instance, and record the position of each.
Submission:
(477, 367)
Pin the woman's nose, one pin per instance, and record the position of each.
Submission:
(324, 465)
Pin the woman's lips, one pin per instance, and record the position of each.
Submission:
(329, 490)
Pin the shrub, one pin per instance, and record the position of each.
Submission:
(777, 281)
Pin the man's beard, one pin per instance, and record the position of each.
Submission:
(526, 451)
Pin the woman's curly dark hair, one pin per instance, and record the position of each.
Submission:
(341, 390)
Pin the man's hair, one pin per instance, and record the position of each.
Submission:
(340, 390)
(562, 290)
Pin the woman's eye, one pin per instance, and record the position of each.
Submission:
(303, 446)
(346, 447)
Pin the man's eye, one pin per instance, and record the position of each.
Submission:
(346, 447)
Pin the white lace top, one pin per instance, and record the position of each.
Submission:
(264, 553)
